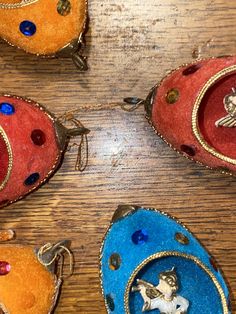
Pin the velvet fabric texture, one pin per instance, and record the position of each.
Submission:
(29, 287)
(174, 121)
(34, 155)
(195, 283)
(53, 31)
(4, 159)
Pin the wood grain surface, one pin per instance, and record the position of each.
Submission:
(130, 46)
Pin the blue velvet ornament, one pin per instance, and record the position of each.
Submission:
(164, 271)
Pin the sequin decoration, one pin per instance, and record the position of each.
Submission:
(33, 178)
(7, 108)
(63, 7)
(140, 236)
(114, 261)
(38, 137)
(110, 302)
(5, 268)
(172, 96)
(27, 28)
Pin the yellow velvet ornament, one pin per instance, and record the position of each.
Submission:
(58, 24)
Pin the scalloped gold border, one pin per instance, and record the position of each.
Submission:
(195, 126)
(174, 253)
(10, 156)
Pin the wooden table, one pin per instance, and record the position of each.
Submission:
(131, 45)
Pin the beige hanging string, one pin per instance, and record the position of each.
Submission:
(83, 151)
(58, 256)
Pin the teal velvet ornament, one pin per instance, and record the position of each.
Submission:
(150, 263)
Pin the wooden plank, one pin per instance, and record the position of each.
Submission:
(131, 45)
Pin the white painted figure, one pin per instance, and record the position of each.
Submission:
(163, 296)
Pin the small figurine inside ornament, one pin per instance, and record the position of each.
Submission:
(32, 145)
(30, 280)
(45, 28)
(194, 110)
(152, 263)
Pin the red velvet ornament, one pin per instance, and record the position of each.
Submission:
(194, 110)
(32, 143)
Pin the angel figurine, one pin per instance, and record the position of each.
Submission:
(230, 106)
(163, 296)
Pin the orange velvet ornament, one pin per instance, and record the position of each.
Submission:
(28, 280)
(58, 24)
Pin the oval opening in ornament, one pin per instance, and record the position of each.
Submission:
(175, 281)
(5, 159)
(216, 117)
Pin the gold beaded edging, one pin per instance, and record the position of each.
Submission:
(10, 157)
(197, 104)
(174, 253)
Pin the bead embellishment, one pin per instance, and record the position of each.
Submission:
(63, 7)
(114, 261)
(7, 108)
(172, 96)
(140, 237)
(32, 179)
(5, 268)
(38, 137)
(27, 28)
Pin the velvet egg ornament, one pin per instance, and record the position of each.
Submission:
(193, 109)
(46, 28)
(31, 279)
(151, 263)
(32, 145)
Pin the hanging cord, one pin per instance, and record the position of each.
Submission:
(23, 3)
(50, 254)
(83, 150)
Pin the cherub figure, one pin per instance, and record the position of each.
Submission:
(229, 120)
(163, 296)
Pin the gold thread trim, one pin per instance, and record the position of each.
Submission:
(178, 254)
(10, 157)
(195, 126)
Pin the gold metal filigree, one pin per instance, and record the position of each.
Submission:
(197, 104)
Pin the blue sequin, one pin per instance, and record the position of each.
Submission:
(7, 109)
(140, 236)
(27, 28)
(32, 179)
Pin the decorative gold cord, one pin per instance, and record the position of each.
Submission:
(23, 3)
(10, 156)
